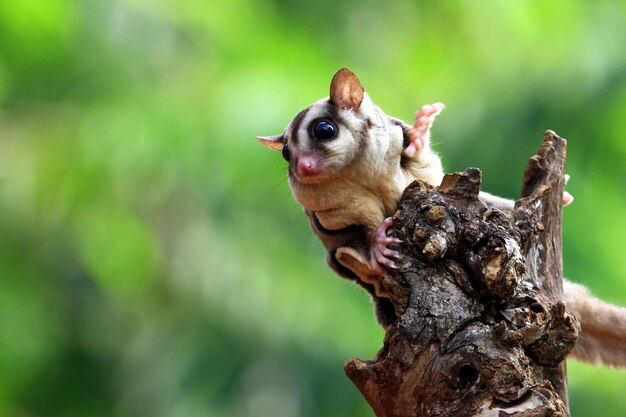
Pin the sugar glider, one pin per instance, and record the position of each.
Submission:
(348, 165)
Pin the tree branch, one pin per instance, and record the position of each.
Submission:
(481, 329)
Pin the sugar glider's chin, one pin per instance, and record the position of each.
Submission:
(295, 179)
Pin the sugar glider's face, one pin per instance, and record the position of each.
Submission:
(323, 139)
(326, 137)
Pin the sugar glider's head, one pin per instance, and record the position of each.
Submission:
(326, 138)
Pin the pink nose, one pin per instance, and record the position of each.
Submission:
(308, 166)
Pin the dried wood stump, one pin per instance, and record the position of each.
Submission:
(481, 329)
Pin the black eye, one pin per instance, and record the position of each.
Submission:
(285, 153)
(324, 130)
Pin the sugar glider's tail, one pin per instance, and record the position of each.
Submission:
(603, 327)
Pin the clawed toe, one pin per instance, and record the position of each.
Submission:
(567, 198)
(382, 255)
(391, 240)
(382, 260)
(419, 135)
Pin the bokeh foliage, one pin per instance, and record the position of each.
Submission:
(152, 261)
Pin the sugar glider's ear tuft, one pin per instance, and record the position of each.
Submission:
(276, 142)
(346, 91)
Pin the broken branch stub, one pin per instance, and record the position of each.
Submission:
(481, 329)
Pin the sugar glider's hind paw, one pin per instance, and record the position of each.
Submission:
(373, 267)
(567, 197)
(419, 135)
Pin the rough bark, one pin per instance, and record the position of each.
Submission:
(481, 330)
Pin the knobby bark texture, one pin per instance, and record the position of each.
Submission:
(481, 328)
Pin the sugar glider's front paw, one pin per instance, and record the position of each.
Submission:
(382, 256)
(419, 135)
(373, 268)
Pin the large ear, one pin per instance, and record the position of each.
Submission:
(276, 142)
(346, 91)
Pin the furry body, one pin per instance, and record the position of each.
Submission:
(349, 164)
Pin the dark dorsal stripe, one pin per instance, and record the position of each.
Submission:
(330, 112)
(360, 136)
(295, 125)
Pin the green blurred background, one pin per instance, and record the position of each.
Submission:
(152, 261)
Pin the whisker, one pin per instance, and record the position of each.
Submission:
(334, 151)
(279, 183)
(274, 171)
